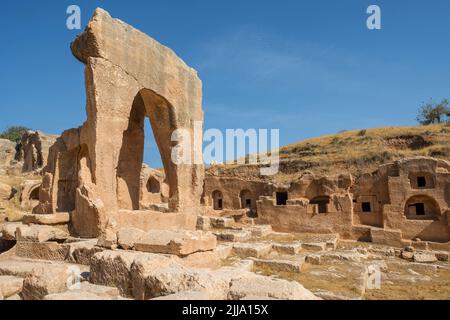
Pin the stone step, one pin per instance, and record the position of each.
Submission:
(290, 248)
(314, 246)
(260, 230)
(233, 235)
(281, 265)
(256, 250)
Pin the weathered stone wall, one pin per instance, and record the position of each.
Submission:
(7, 152)
(314, 204)
(387, 198)
(434, 225)
(233, 190)
(33, 149)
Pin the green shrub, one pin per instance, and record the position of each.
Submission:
(13, 133)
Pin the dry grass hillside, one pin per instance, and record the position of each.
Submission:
(357, 152)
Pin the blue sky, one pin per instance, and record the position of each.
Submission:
(306, 67)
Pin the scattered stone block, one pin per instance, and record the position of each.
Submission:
(387, 237)
(8, 230)
(47, 219)
(177, 242)
(407, 255)
(175, 278)
(21, 267)
(424, 257)
(42, 250)
(40, 233)
(114, 269)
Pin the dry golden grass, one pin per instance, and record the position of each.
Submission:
(359, 151)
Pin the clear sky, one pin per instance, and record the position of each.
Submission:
(306, 67)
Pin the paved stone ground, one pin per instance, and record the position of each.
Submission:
(247, 262)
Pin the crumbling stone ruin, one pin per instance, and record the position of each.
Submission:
(401, 202)
(122, 230)
(28, 155)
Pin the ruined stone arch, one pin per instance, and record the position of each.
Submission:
(34, 193)
(129, 77)
(422, 207)
(146, 106)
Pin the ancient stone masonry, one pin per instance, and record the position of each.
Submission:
(32, 150)
(95, 171)
(127, 231)
(403, 201)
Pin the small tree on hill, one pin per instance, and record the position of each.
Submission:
(13, 133)
(431, 112)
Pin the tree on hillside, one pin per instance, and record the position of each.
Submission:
(13, 133)
(430, 112)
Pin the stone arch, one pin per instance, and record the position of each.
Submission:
(217, 199)
(161, 114)
(247, 201)
(34, 193)
(153, 185)
(131, 77)
(421, 207)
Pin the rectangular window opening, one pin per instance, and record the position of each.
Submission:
(282, 198)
